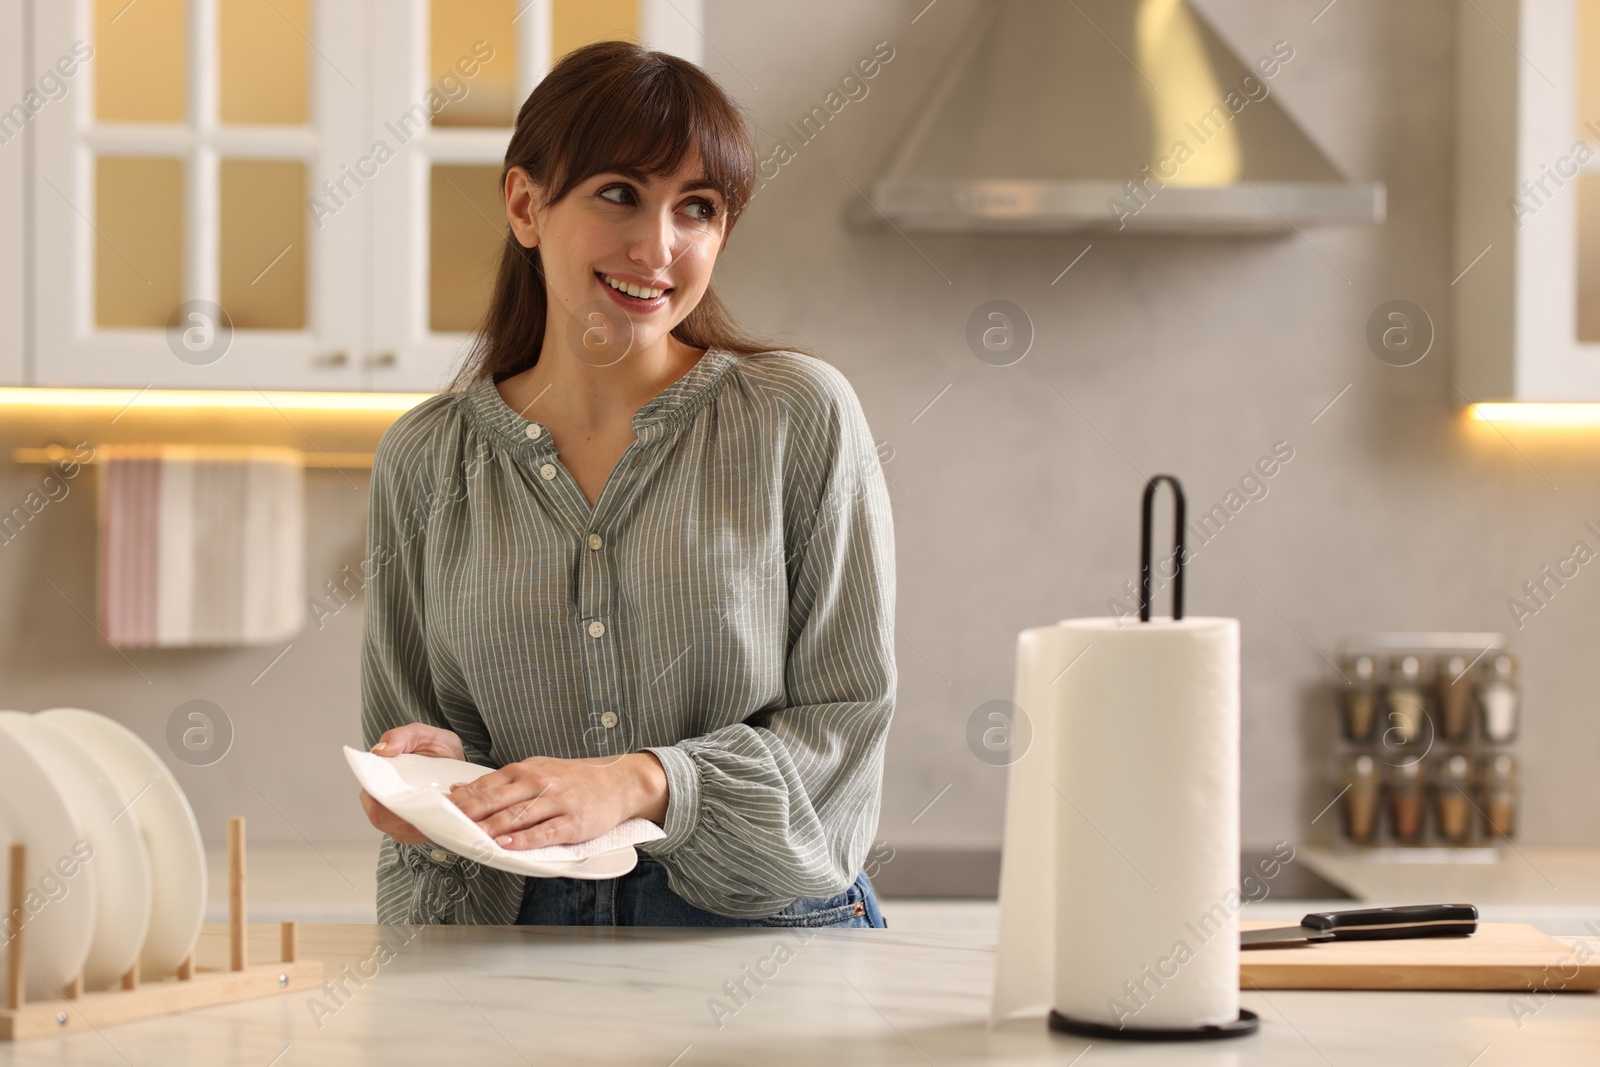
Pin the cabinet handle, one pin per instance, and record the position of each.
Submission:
(332, 359)
(382, 359)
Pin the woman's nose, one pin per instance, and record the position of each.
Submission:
(653, 245)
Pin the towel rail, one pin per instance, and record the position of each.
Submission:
(50, 454)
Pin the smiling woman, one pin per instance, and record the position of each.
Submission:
(572, 594)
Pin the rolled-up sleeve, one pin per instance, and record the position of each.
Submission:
(786, 803)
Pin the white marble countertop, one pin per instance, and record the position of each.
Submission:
(537, 995)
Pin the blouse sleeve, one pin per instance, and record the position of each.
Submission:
(786, 803)
(416, 883)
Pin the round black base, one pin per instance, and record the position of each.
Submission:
(1247, 1023)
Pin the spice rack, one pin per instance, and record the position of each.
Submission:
(1422, 730)
(190, 987)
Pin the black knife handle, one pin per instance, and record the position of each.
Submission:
(1378, 924)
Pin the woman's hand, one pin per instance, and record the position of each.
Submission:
(389, 822)
(422, 739)
(413, 737)
(546, 801)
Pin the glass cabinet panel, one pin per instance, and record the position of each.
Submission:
(263, 257)
(139, 60)
(1588, 196)
(575, 23)
(138, 247)
(467, 228)
(1588, 39)
(262, 50)
(458, 34)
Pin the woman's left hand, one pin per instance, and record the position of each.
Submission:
(547, 801)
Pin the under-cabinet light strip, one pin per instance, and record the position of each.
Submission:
(209, 398)
(1562, 414)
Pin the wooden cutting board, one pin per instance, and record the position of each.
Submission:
(1498, 956)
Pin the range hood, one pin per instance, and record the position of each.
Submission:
(1122, 115)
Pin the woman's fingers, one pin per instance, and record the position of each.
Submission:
(514, 783)
(556, 831)
(422, 739)
(390, 823)
(509, 799)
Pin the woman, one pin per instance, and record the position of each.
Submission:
(638, 561)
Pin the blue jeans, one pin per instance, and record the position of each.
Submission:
(642, 898)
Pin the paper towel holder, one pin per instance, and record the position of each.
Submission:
(1248, 1021)
(1145, 519)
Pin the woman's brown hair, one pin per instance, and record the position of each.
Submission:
(607, 105)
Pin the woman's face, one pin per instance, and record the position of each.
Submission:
(658, 236)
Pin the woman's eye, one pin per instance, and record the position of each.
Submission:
(709, 208)
(617, 189)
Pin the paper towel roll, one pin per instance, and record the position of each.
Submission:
(1119, 883)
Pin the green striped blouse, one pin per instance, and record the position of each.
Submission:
(728, 604)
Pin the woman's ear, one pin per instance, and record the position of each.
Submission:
(521, 194)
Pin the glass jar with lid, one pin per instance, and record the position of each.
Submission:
(1407, 786)
(1453, 805)
(1498, 787)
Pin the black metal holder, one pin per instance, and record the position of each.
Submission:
(1177, 546)
(1247, 1023)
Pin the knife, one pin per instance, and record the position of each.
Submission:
(1369, 924)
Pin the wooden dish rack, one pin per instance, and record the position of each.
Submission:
(188, 988)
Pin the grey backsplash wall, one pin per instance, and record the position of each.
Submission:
(1016, 490)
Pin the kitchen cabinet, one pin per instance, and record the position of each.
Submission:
(1527, 213)
(14, 115)
(285, 194)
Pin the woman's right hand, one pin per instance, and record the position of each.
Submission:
(424, 740)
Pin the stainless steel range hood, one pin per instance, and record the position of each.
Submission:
(1123, 115)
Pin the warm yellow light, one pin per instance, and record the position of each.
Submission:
(210, 398)
(1563, 414)
(1188, 106)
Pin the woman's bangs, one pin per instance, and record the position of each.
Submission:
(655, 132)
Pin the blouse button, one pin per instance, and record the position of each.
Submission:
(608, 719)
(597, 628)
(547, 471)
(534, 430)
(595, 542)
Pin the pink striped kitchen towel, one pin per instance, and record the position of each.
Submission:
(201, 544)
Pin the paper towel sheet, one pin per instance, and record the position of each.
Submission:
(429, 808)
(1119, 876)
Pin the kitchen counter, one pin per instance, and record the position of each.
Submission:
(525, 995)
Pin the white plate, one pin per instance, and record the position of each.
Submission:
(59, 900)
(171, 834)
(122, 874)
(417, 788)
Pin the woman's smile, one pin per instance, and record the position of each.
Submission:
(629, 286)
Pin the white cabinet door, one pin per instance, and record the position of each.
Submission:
(447, 83)
(1527, 201)
(177, 178)
(15, 116)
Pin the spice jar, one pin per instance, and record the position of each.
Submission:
(1406, 701)
(1498, 698)
(1360, 799)
(1499, 790)
(1406, 787)
(1455, 697)
(1359, 700)
(1452, 798)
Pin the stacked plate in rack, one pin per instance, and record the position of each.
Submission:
(115, 870)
